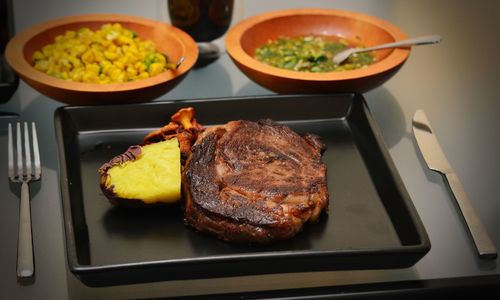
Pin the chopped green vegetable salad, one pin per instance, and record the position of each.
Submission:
(310, 54)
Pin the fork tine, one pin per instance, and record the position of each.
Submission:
(11, 154)
(19, 149)
(36, 152)
(28, 171)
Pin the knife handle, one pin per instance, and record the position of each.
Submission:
(482, 241)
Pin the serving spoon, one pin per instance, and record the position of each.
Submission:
(422, 40)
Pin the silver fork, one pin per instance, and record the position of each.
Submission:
(24, 168)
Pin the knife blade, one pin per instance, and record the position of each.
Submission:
(436, 160)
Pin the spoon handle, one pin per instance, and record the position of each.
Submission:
(422, 40)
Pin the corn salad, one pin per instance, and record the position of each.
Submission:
(112, 54)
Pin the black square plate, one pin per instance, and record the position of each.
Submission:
(372, 222)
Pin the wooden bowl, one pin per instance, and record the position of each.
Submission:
(357, 28)
(169, 40)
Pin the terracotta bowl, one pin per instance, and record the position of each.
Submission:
(169, 40)
(357, 28)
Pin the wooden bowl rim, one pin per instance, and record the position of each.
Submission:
(236, 51)
(14, 54)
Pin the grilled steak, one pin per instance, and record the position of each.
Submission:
(254, 181)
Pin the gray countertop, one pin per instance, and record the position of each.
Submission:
(455, 82)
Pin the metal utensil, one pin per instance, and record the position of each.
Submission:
(436, 161)
(180, 61)
(423, 40)
(24, 168)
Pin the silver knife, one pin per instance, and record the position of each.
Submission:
(436, 161)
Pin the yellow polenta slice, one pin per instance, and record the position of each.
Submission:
(150, 174)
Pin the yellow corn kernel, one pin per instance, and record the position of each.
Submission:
(90, 77)
(131, 72)
(146, 46)
(41, 65)
(119, 64)
(143, 75)
(47, 50)
(92, 68)
(78, 50)
(112, 47)
(70, 34)
(110, 55)
(159, 58)
(155, 69)
(130, 59)
(122, 40)
(74, 61)
(140, 67)
(104, 79)
(83, 32)
(117, 26)
(105, 67)
(76, 75)
(88, 57)
(106, 27)
(64, 64)
(115, 75)
(37, 55)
